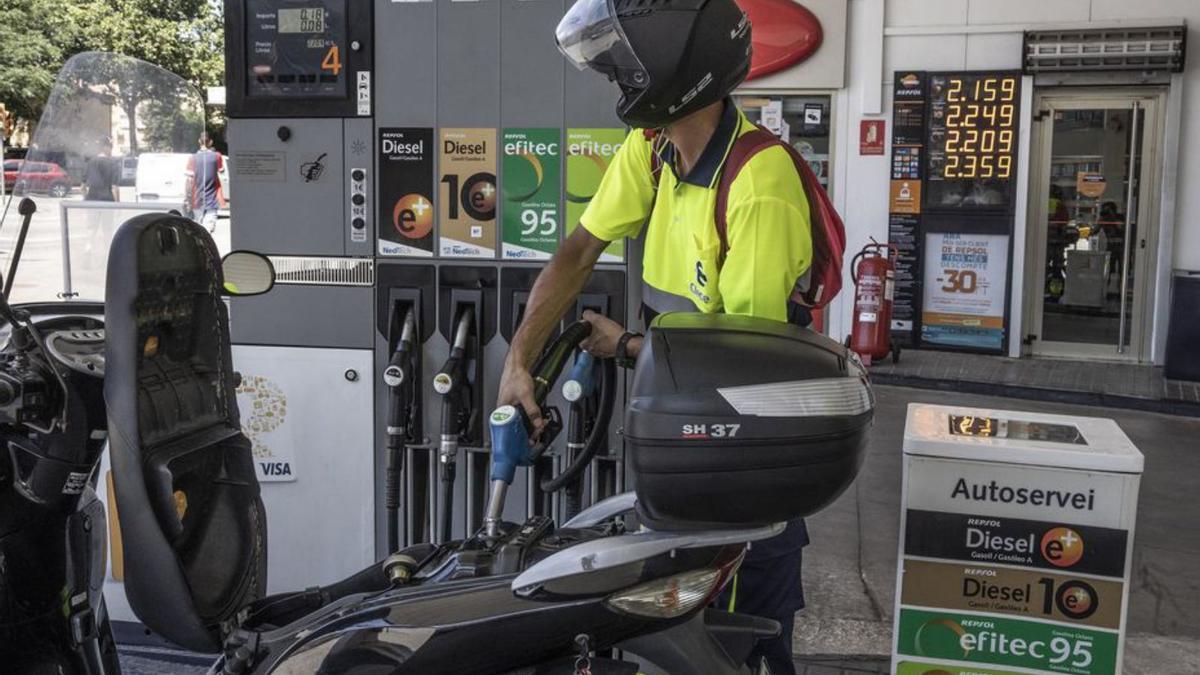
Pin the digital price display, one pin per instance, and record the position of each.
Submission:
(972, 140)
(969, 425)
(295, 48)
(1018, 430)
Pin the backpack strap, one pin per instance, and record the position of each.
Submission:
(744, 148)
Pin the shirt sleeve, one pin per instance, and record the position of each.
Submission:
(770, 247)
(623, 201)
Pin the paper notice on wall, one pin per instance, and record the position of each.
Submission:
(966, 281)
(589, 152)
(772, 116)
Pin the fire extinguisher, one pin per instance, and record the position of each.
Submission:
(874, 274)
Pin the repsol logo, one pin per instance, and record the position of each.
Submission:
(1005, 494)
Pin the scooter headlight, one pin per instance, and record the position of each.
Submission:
(672, 596)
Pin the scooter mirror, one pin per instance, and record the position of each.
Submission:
(247, 273)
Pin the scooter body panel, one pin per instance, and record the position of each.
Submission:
(455, 626)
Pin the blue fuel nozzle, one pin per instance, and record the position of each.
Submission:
(511, 446)
(581, 382)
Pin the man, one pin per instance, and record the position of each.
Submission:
(676, 68)
(204, 183)
(100, 178)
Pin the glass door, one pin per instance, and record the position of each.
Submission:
(1091, 226)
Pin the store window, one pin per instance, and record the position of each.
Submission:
(804, 120)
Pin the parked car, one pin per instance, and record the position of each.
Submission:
(22, 176)
(162, 176)
(128, 171)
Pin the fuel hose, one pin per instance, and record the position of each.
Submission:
(599, 434)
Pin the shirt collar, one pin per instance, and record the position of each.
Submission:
(708, 167)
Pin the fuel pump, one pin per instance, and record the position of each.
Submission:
(454, 386)
(404, 414)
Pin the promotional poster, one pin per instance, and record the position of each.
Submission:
(467, 191)
(589, 152)
(965, 287)
(406, 192)
(530, 214)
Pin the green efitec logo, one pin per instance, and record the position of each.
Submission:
(1007, 642)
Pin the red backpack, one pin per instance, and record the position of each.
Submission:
(823, 280)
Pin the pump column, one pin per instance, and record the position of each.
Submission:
(1016, 541)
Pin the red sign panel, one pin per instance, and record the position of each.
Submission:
(783, 34)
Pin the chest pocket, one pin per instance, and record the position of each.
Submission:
(704, 274)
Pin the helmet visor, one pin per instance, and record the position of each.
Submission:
(590, 37)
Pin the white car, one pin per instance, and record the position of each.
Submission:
(162, 176)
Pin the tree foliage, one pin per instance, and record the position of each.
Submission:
(36, 36)
(184, 37)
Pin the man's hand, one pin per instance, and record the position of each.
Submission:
(602, 343)
(516, 388)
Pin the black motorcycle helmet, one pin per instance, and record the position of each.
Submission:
(669, 57)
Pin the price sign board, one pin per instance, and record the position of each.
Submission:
(952, 194)
(972, 140)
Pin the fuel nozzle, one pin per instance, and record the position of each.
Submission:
(451, 383)
(403, 404)
(398, 376)
(513, 443)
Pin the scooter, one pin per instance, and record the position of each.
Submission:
(599, 594)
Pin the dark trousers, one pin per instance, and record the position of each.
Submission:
(768, 585)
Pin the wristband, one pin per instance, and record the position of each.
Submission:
(622, 357)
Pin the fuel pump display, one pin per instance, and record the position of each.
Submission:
(296, 49)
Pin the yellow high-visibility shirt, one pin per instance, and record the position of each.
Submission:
(769, 231)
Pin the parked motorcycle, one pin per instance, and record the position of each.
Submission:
(53, 418)
(735, 426)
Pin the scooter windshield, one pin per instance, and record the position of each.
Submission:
(116, 139)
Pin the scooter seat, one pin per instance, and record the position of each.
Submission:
(192, 521)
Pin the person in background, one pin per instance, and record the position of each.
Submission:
(100, 178)
(204, 183)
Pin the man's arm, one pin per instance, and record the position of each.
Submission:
(555, 289)
(114, 178)
(189, 183)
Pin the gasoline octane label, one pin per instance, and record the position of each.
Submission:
(1011, 541)
(1034, 594)
(531, 179)
(991, 489)
(913, 668)
(1007, 642)
(589, 153)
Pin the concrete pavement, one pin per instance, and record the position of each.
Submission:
(850, 568)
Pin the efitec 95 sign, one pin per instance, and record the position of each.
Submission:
(797, 43)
